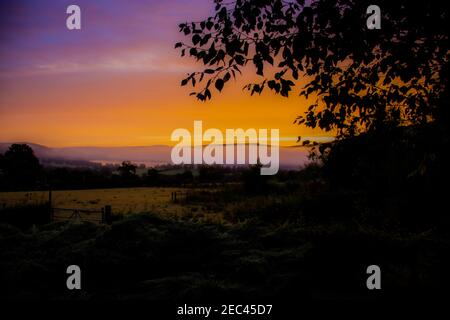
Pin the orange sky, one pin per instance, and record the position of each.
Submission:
(122, 92)
(113, 110)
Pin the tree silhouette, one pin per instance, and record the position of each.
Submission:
(20, 167)
(127, 169)
(359, 79)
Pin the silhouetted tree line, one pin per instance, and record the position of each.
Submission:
(20, 170)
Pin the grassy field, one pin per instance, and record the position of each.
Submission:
(123, 200)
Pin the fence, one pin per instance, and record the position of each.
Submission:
(104, 215)
(97, 216)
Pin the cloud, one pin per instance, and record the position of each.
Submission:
(115, 36)
(142, 60)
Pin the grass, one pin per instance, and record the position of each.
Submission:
(123, 200)
(217, 244)
(149, 257)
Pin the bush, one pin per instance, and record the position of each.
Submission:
(26, 216)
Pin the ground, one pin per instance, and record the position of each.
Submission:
(122, 200)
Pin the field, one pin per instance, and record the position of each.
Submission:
(122, 200)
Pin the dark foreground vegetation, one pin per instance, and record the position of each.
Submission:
(148, 257)
(309, 234)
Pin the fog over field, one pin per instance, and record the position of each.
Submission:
(290, 157)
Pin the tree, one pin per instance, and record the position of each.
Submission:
(211, 173)
(127, 169)
(152, 178)
(20, 167)
(127, 175)
(253, 181)
(359, 79)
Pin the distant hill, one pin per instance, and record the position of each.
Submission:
(290, 157)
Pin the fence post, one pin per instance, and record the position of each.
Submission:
(107, 214)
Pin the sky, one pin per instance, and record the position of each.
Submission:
(116, 82)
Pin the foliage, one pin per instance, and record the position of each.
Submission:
(360, 79)
(253, 181)
(19, 168)
(127, 169)
(146, 257)
(211, 173)
(25, 216)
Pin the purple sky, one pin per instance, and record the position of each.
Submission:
(34, 37)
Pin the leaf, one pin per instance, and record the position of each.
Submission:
(207, 94)
(193, 52)
(239, 60)
(196, 39)
(205, 39)
(219, 84)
